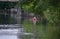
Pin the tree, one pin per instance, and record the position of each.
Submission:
(48, 8)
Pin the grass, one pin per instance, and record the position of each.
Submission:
(42, 32)
(29, 27)
(38, 29)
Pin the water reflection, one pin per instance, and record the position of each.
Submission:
(10, 33)
(8, 37)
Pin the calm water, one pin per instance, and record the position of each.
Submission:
(8, 37)
(9, 33)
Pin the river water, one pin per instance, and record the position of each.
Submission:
(10, 33)
(8, 37)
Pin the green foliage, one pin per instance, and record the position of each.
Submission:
(27, 7)
(52, 14)
(49, 9)
(38, 6)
